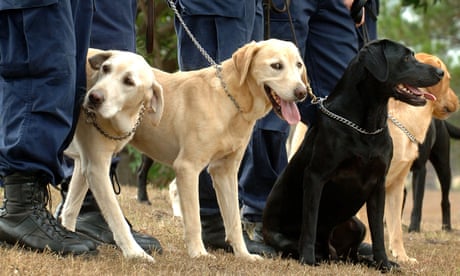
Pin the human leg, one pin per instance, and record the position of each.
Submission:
(37, 101)
(113, 27)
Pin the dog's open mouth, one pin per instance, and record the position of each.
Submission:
(286, 110)
(413, 95)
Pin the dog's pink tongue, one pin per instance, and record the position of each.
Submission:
(429, 96)
(290, 112)
(422, 92)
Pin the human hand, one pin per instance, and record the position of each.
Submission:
(357, 10)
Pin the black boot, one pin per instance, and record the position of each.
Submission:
(91, 223)
(24, 219)
(213, 235)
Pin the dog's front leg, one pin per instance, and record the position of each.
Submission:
(98, 178)
(394, 202)
(224, 176)
(375, 209)
(78, 188)
(312, 189)
(187, 187)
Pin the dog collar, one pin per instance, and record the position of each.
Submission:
(224, 86)
(343, 120)
(91, 119)
(403, 129)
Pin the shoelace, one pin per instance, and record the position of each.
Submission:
(47, 222)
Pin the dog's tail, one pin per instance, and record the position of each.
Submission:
(454, 131)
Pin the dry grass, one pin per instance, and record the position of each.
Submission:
(436, 251)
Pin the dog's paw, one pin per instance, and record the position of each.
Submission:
(141, 256)
(200, 254)
(406, 259)
(252, 257)
(403, 258)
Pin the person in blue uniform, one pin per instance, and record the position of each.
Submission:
(113, 28)
(43, 46)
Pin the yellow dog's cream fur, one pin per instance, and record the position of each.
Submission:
(122, 81)
(201, 126)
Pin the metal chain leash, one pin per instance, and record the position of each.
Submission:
(341, 119)
(403, 129)
(91, 119)
(205, 54)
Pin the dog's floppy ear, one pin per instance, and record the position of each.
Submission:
(304, 76)
(93, 64)
(374, 59)
(154, 102)
(242, 59)
(96, 60)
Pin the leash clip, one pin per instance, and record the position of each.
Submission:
(318, 100)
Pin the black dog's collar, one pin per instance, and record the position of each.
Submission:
(343, 120)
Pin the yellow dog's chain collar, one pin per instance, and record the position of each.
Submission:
(341, 119)
(403, 129)
(91, 119)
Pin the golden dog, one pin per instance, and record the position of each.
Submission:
(208, 119)
(416, 121)
(121, 85)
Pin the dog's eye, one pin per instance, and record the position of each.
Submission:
(106, 68)
(128, 81)
(299, 64)
(277, 66)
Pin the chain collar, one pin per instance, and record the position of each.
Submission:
(403, 129)
(224, 86)
(341, 119)
(91, 119)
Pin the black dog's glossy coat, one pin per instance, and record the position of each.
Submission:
(436, 149)
(337, 169)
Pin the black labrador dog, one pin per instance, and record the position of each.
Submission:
(436, 149)
(343, 160)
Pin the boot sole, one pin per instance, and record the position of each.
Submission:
(89, 253)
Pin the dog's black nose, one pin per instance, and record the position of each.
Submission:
(300, 93)
(96, 98)
(440, 72)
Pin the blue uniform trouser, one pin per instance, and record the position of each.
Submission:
(41, 81)
(114, 25)
(221, 27)
(328, 40)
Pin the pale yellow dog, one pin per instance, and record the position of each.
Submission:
(122, 91)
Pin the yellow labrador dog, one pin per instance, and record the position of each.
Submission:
(416, 121)
(122, 87)
(208, 119)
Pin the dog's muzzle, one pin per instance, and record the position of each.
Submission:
(95, 99)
